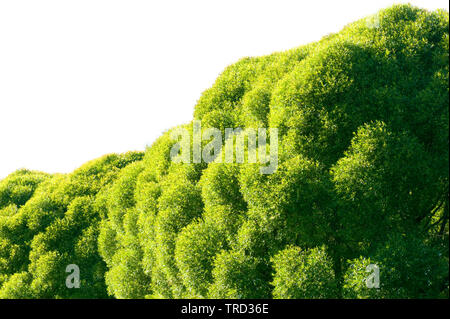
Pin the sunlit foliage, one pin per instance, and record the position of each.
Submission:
(362, 179)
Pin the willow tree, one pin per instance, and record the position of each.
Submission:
(361, 180)
(362, 117)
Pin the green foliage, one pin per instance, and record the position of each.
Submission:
(303, 274)
(17, 287)
(362, 179)
(18, 187)
(236, 275)
(58, 226)
(196, 246)
(118, 239)
(387, 179)
(409, 268)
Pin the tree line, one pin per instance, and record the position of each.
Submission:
(362, 179)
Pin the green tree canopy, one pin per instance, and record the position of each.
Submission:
(362, 178)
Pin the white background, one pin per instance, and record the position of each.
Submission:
(79, 79)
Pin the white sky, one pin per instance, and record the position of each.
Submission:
(79, 79)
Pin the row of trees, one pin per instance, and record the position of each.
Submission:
(362, 179)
